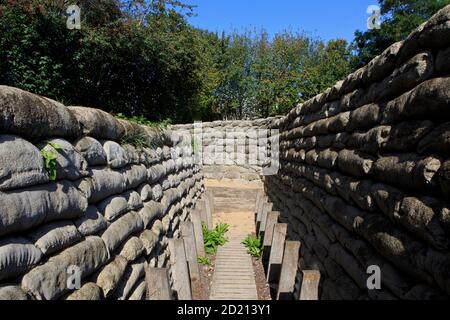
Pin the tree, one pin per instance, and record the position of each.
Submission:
(399, 19)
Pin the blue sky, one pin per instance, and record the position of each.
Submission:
(326, 19)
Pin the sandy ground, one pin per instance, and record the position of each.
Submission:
(239, 222)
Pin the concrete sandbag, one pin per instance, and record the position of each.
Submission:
(55, 236)
(387, 198)
(49, 118)
(419, 217)
(91, 223)
(157, 192)
(405, 136)
(132, 154)
(26, 208)
(135, 175)
(134, 200)
(17, 255)
(442, 66)
(91, 150)
(355, 163)
(339, 122)
(145, 192)
(89, 291)
(370, 142)
(12, 293)
(28, 168)
(113, 207)
(116, 156)
(444, 179)
(98, 123)
(327, 159)
(149, 241)
(139, 292)
(102, 184)
(437, 141)
(364, 117)
(429, 99)
(133, 274)
(49, 281)
(132, 249)
(121, 229)
(156, 173)
(151, 211)
(407, 170)
(70, 164)
(110, 275)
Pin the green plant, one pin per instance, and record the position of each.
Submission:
(253, 245)
(214, 238)
(144, 121)
(50, 155)
(204, 261)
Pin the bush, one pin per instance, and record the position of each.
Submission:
(253, 245)
(214, 238)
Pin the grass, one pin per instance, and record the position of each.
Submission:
(50, 156)
(205, 261)
(253, 245)
(144, 121)
(214, 238)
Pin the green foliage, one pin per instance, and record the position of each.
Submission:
(399, 19)
(214, 238)
(205, 261)
(144, 121)
(49, 153)
(253, 245)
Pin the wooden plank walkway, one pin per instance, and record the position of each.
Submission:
(234, 278)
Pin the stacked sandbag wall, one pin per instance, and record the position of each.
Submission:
(233, 149)
(83, 194)
(364, 175)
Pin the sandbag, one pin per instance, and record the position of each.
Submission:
(55, 236)
(121, 229)
(145, 191)
(149, 240)
(405, 136)
(355, 163)
(364, 117)
(133, 274)
(89, 291)
(102, 184)
(113, 207)
(116, 157)
(69, 163)
(33, 116)
(437, 141)
(91, 223)
(49, 281)
(135, 175)
(407, 170)
(134, 200)
(17, 255)
(98, 123)
(12, 293)
(151, 211)
(109, 277)
(26, 208)
(21, 164)
(91, 150)
(444, 179)
(429, 99)
(139, 292)
(132, 249)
